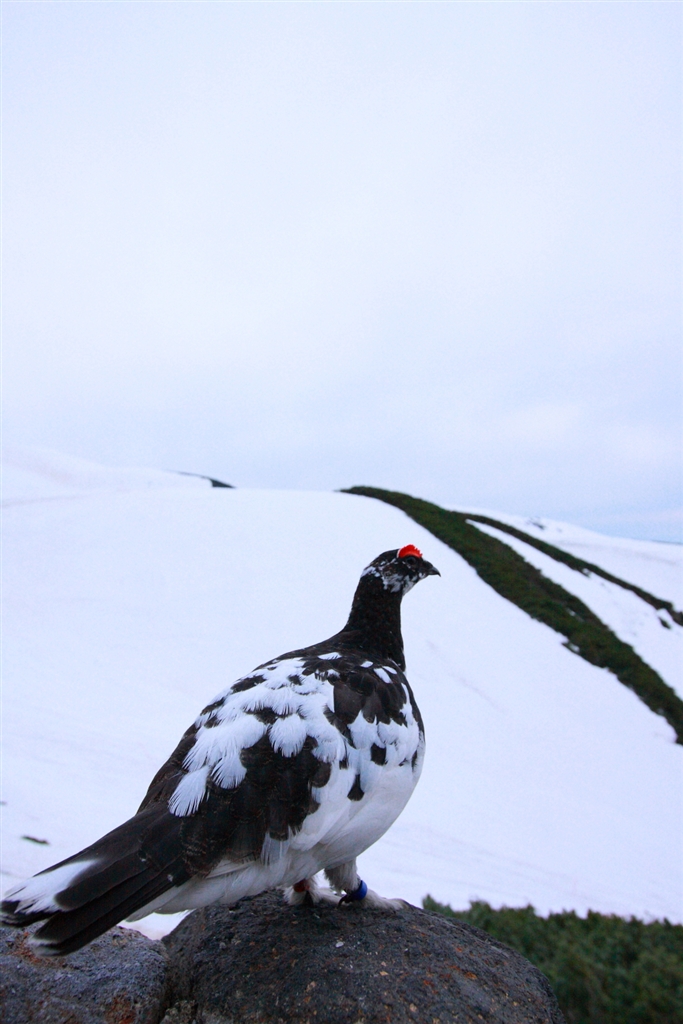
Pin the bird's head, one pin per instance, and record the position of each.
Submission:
(401, 569)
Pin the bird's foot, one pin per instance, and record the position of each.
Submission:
(307, 892)
(347, 883)
(373, 899)
(370, 898)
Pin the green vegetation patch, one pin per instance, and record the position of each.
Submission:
(603, 969)
(578, 564)
(541, 598)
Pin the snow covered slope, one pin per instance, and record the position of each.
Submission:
(649, 564)
(546, 780)
(39, 473)
(654, 636)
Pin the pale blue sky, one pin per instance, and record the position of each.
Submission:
(427, 246)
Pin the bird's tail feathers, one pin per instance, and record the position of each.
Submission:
(83, 896)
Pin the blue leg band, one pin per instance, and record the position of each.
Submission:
(358, 894)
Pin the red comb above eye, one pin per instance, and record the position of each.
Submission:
(409, 549)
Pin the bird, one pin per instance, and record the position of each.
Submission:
(294, 769)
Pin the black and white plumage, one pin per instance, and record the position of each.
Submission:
(296, 768)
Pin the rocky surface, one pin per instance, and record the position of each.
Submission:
(121, 978)
(265, 963)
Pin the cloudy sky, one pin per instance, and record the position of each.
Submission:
(427, 246)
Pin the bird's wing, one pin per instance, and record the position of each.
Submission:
(256, 763)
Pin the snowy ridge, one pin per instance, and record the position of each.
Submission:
(545, 779)
(32, 474)
(653, 634)
(653, 565)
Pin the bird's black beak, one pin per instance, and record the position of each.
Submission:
(431, 570)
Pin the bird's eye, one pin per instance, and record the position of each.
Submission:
(411, 560)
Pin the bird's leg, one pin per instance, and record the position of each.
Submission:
(345, 879)
(299, 894)
(307, 891)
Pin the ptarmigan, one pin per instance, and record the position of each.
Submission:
(294, 769)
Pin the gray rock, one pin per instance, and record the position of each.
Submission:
(121, 978)
(266, 963)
